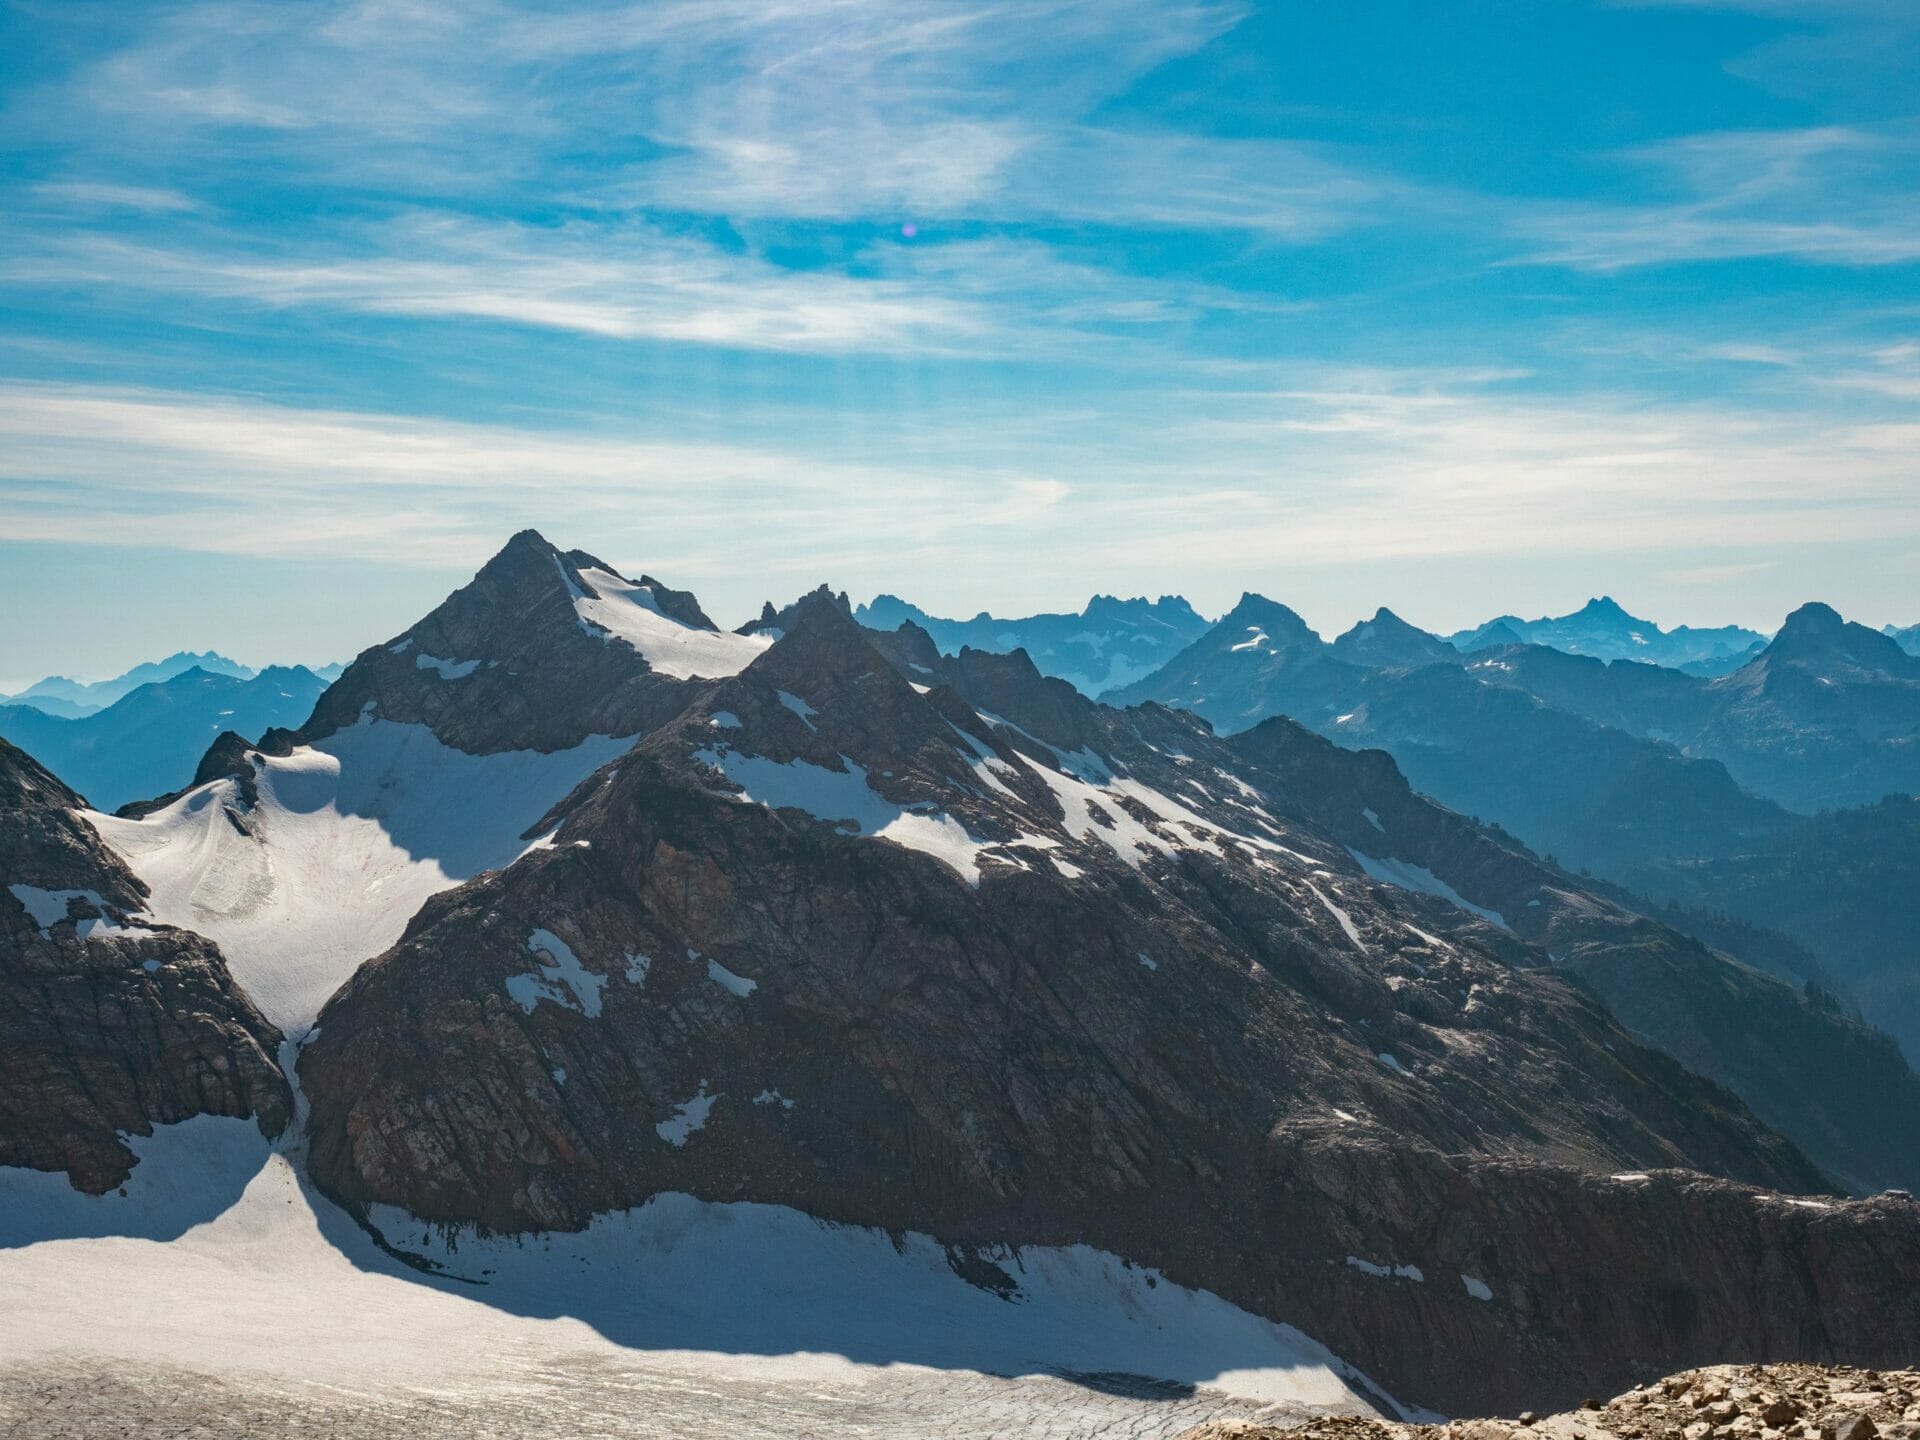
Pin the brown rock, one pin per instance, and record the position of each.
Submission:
(108, 1026)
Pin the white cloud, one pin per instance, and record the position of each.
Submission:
(1339, 467)
(624, 280)
(97, 195)
(1840, 195)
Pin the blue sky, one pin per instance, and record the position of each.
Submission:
(1457, 307)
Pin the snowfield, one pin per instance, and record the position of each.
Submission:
(616, 608)
(220, 1285)
(349, 838)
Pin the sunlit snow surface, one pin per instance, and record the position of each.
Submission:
(628, 612)
(845, 796)
(220, 1280)
(349, 838)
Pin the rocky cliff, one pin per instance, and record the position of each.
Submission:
(109, 1024)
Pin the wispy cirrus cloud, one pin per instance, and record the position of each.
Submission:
(622, 279)
(1842, 195)
(749, 108)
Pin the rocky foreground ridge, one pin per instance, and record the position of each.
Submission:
(1723, 1402)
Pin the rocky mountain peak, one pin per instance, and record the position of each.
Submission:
(787, 616)
(1606, 608)
(1817, 638)
(1813, 618)
(819, 643)
(44, 842)
(1495, 636)
(1387, 641)
(539, 650)
(1282, 626)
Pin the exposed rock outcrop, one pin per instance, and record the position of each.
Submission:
(109, 1024)
(1765, 1402)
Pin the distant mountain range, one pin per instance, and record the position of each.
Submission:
(1602, 629)
(1695, 790)
(57, 695)
(150, 740)
(1109, 644)
(1908, 638)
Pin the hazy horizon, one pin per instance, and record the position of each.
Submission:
(82, 664)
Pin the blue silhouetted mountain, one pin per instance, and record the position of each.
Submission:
(57, 695)
(1603, 629)
(1112, 642)
(1906, 637)
(1675, 784)
(150, 740)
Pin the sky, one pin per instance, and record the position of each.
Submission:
(1457, 306)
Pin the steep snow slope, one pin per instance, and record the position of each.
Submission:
(629, 612)
(346, 840)
(685, 1316)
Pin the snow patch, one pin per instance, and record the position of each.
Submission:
(448, 669)
(1387, 1272)
(48, 908)
(738, 984)
(1345, 920)
(1408, 876)
(773, 1097)
(1477, 1288)
(616, 608)
(799, 707)
(689, 1116)
(583, 987)
(845, 797)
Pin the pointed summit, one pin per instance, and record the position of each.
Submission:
(1386, 642)
(539, 650)
(1283, 628)
(1605, 607)
(1818, 639)
(774, 623)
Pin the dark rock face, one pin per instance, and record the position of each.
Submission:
(1654, 779)
(507, 662)
(1841, 884)
(1838, 1088)
(966, 954)
(108, 1026)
